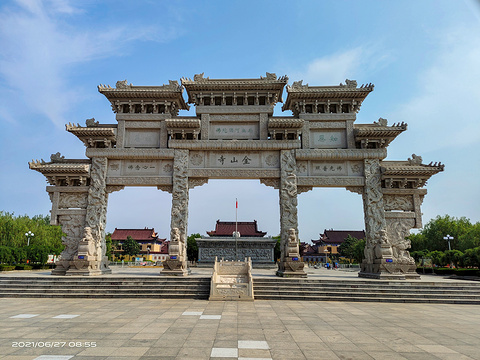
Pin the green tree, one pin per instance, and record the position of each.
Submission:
(38, 254)
(470, 239)
(192, 247)
(13, 229)
(6, 256)
(347, 248)
(130, 247)
(419, 255)
(453, 257)
(418, 242)
(277, 252)
(438, 257)
(471, 257)
(436, 229)
(359, 251)
(108, 245)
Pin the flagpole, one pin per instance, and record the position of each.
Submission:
(236, 229)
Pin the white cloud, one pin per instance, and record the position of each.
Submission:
(349, 64)
(40, 48)
(442, 113)
(444, 126)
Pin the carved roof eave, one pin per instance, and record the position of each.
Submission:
(274, 123)
(405, 169)
(88, 132)
(375, 131)
(170, 92)
(269, 83)
(270, 79)
(69, 167)
(306, 92)
(182, 123)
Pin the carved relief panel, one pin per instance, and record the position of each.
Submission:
(140, 167)
(328, 139)
(139, 138)
(234, 159)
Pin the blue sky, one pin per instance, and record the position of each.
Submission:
(422, 56)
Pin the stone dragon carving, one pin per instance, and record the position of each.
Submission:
(288, 194)
(180, 192)
(96, 217)
(72, 227)
(398, 202)
(72, 200)
(373, 207)
(398, 229)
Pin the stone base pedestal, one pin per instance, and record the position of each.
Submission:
(383, 270)
(82, 267)
(291, 268)
(87, 272)
(174, 268)
(61, 267)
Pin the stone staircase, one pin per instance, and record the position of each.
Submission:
(191, 287)
(367, 290)
(106, 287)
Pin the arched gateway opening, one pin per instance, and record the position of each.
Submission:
(235, 135)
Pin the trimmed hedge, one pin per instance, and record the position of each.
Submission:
(467, 272)
(444, 271)
(449, 271)
(23, 267)
(4, 267)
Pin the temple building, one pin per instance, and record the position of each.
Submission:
(249, 242)
(151, 246)
(244, 228)
(327, 245)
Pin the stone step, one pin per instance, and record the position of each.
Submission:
(364, 286)
(80, 287)
(355, 298)
(378, 289)
(264, 288)
(69, 280)
(176, 295)
(404, 294)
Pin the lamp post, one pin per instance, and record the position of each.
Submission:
(29, 235)
(448, 238)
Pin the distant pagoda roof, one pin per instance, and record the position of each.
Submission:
(245, 228)
(145, 234)
(338, 236)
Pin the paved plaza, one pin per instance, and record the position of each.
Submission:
(61, 329)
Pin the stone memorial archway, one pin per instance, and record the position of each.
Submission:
(234, 135)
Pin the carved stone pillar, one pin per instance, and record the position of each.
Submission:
(378, 249)
(289, 266)
(91, 260)
(403, 264)
(402, 213)
(72, 227)
(177, 263)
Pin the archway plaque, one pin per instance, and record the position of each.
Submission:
(234, 135)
